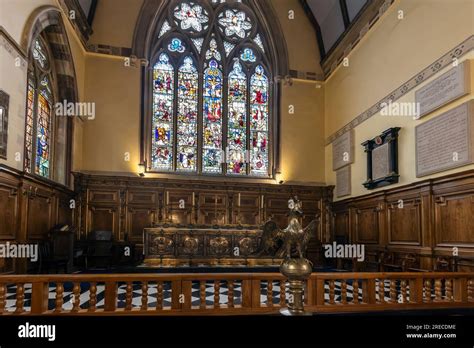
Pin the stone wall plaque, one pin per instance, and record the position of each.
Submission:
(381, 161)
(446, 141)
(343, 181)
(343, 150)
(452, 85)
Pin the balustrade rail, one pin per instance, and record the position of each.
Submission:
(230, 293)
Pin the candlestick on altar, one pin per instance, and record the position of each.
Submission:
(194, 199)
(238, 199)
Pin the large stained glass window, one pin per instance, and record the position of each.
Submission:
(163, 97)
(39, 112)
(211, 93)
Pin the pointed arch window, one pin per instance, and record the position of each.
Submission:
(39, 113)
(210, 92)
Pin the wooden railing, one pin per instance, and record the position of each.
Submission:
(231, 293)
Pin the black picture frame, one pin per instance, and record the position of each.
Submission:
(4, 104)
(387, 138)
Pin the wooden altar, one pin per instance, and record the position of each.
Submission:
(195, 245)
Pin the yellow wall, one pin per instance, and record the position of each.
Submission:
(115, 90)
(390, 54)
(114, 22)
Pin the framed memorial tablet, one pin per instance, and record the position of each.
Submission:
(382, 159)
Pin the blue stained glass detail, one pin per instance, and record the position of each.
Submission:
(248, 56)
(176, 46)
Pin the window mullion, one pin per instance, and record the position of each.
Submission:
(248, 102)
(200, 118)
(175, 119)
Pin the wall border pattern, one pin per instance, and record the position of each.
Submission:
(460, 50)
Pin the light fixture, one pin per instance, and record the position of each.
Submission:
(279, 178)
(141, 169)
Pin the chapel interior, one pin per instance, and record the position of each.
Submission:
(195, 147)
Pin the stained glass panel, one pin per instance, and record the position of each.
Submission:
(43, 136)
(187, 116)
(213, 51)
(29, 126)
(191, 16)
(212, 119)
(259, 122)
(237, 120)
(259, 42)
(163, 97)
(247, 55)
(198, 43)
(164, 29)
(39, 53)
(235, 23)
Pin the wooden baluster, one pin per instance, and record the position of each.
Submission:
(344, 292)
(202, 294)
(230, 294)
(217, 286)
(92, 297)
(381, 291)
(76, 292)
(59, 297)
(331, 292)
(128, 296)
(470, 290)
(393, 291)
(283, 293)
(159, 295)
(449, 289)
(269, 293)
(144, 306)
(355, 291)
(438, 289)
(3, 296)
(427, 290)
(403, 285)
(20, 298)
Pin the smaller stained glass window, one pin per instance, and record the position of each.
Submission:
(191, 16)
(235, 23)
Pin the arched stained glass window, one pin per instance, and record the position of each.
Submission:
(211, 91)
(39, 113)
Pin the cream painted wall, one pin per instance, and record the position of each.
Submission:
(114, 22)
(115, 89)
(303, 50)
(392, 52)
(302, 133)
(387, 57)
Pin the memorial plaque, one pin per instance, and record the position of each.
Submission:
(343, 181)
(343, 150)
(452, 85)
(445, 142)
(380, 162)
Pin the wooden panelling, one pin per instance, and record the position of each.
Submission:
(424, 220)
(139, 218)
(404, 222)
(9, 205)
(366, 225)
(453, 219)
(104, 219)
(138, 202)
(100, 196)
(29, 207)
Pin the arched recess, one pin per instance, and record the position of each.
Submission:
(151, 16)
(47, 21)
